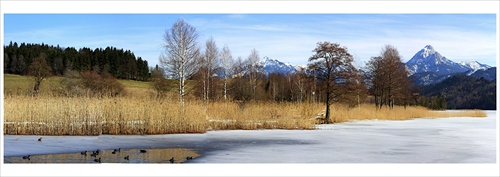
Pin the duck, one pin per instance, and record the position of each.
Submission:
(40, 139)
(126, 158)
(27, 157)
(84, 153)
(97, 160)
(116, 150)
(94, 154)
(143, 151)
(97, 151)
(172, 160)
(189, 157)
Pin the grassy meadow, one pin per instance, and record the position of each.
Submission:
(137, 111)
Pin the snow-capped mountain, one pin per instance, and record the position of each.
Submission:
(274, 66)
(428, 66)
(474, 66)
(429, 60)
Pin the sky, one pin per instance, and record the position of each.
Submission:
(286, 37)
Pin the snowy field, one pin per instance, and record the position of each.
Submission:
(420, 141)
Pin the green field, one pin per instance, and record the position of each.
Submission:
(17, 84)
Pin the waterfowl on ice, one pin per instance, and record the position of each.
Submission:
(84, 153)
(143, 151)
(189, 157)
(94, 154)
(97, 160)
(40, 139)
(172, 160)
(126, 158)
(27, 157)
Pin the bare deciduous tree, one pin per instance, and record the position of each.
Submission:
(180, 54)
(389, 78)
(253, 71)
(209, 61)
(333, 67)
(227, 65)
(39, 70)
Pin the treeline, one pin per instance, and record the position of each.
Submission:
(464, 92)
(121, 64)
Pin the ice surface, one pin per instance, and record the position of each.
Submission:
(444, 140)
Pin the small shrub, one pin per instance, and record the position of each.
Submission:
(100, 85)
(161, 86)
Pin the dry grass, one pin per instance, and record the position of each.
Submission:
(251, 116)
(92, 116)
(342, 113)
(139, 112)
(47, 115)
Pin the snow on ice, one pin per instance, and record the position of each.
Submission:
(421, 141)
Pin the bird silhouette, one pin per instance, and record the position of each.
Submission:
(97, 160)
(172, 160)
(189, 157)
(126, 158)
(143, 151)
(27, 157)
(40, 139)
(84, 153)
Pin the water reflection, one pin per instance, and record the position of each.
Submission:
(179, 155)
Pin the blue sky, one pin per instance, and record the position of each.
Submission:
(286, 37)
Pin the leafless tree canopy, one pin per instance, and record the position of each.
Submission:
(227, 65)
(390, 78)
(253, 71)
(39, 70)
(209, 61)
(180, 54)
(333, 68)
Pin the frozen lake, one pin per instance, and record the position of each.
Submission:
(445, 140)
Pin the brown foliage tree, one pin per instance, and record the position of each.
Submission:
(390, 81)
(337, 76)
(39, 70)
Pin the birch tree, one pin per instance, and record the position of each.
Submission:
(209, 62)
(180, 53)
(253, 70)
(227, 65)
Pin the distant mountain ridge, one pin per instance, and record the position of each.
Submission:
(426, 67)
(274, 66)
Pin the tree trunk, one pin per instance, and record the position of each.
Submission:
(327, 102)
(36, 88)
(225, 89)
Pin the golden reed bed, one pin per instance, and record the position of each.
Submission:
(46, 115)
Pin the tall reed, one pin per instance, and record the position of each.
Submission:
(52, 115)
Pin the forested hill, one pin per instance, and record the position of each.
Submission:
(122, 64)
(465, 92)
